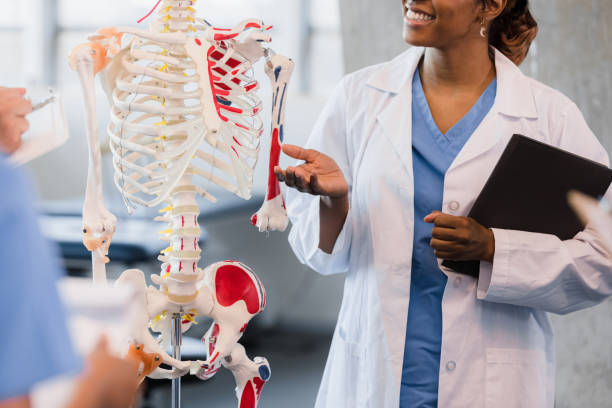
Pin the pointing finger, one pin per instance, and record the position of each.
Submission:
(299, 153)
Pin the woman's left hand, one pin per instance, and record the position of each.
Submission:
(460, 238)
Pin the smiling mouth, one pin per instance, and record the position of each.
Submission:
(418, 16)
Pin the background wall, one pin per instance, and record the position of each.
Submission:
(573, 54)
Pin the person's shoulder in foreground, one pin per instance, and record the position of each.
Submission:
(35, 345)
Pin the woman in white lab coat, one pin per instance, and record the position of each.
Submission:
(354, 205)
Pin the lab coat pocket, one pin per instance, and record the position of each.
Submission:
(515, 378)
(348, 364)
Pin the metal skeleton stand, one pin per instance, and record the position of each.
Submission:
(176, 341)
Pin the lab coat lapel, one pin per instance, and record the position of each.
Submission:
(514, 99)
(395, 116)
(395, 121)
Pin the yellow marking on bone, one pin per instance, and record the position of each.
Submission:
(184, 74)
(190, 27)
(164, 52)
(190, 318)
(159, 317)
(166, 18)
(191, 9)
(167, 9)
(166, 209)
(163, 68)
(158, 138)
(165, 275)
(166, 250)
(166, 231)
(166, 28)
(160, 123)
(190, 18)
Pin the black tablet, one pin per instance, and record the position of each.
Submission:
(527, 191)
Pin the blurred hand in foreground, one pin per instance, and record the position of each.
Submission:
(13, 123)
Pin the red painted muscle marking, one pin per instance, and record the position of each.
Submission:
(214, 358)
(221, 92)
(243, 328)
(215, 333)
(252, 25)
(235, 140)
(222, 37)
(182, 221)
(250, 87)
(180, 265)
(182, 245)
(168, 268)
(235, 151)
(197, 41)
(223, 86)
(231, 62)
(195, 243)
(259, 383)
(231, 109)
(247, 400)
(273, 184)
(232, 284)
(254, 219)
(241, 126)
(220, 70)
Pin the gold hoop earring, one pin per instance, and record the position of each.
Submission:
(483, 30)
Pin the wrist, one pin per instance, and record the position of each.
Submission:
(340, 202)
(490, 246)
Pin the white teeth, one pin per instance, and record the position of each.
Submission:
(418, 16)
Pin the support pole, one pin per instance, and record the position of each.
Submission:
(176, 341)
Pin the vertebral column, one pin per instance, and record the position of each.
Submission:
(181, 270)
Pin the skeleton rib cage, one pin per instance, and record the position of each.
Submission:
(158, 132)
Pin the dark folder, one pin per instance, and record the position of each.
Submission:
(527, 191)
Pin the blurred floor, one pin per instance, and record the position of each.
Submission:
(297, 360)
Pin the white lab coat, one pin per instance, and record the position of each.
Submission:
(497, 341)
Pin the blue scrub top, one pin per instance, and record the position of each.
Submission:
(34, 342)
(432, 153)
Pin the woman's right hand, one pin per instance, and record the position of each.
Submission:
(318, 175)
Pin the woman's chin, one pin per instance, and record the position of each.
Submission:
(416, 37)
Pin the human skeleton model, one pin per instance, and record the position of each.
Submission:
(184, 109)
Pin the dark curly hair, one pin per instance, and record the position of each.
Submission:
(513, 30)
